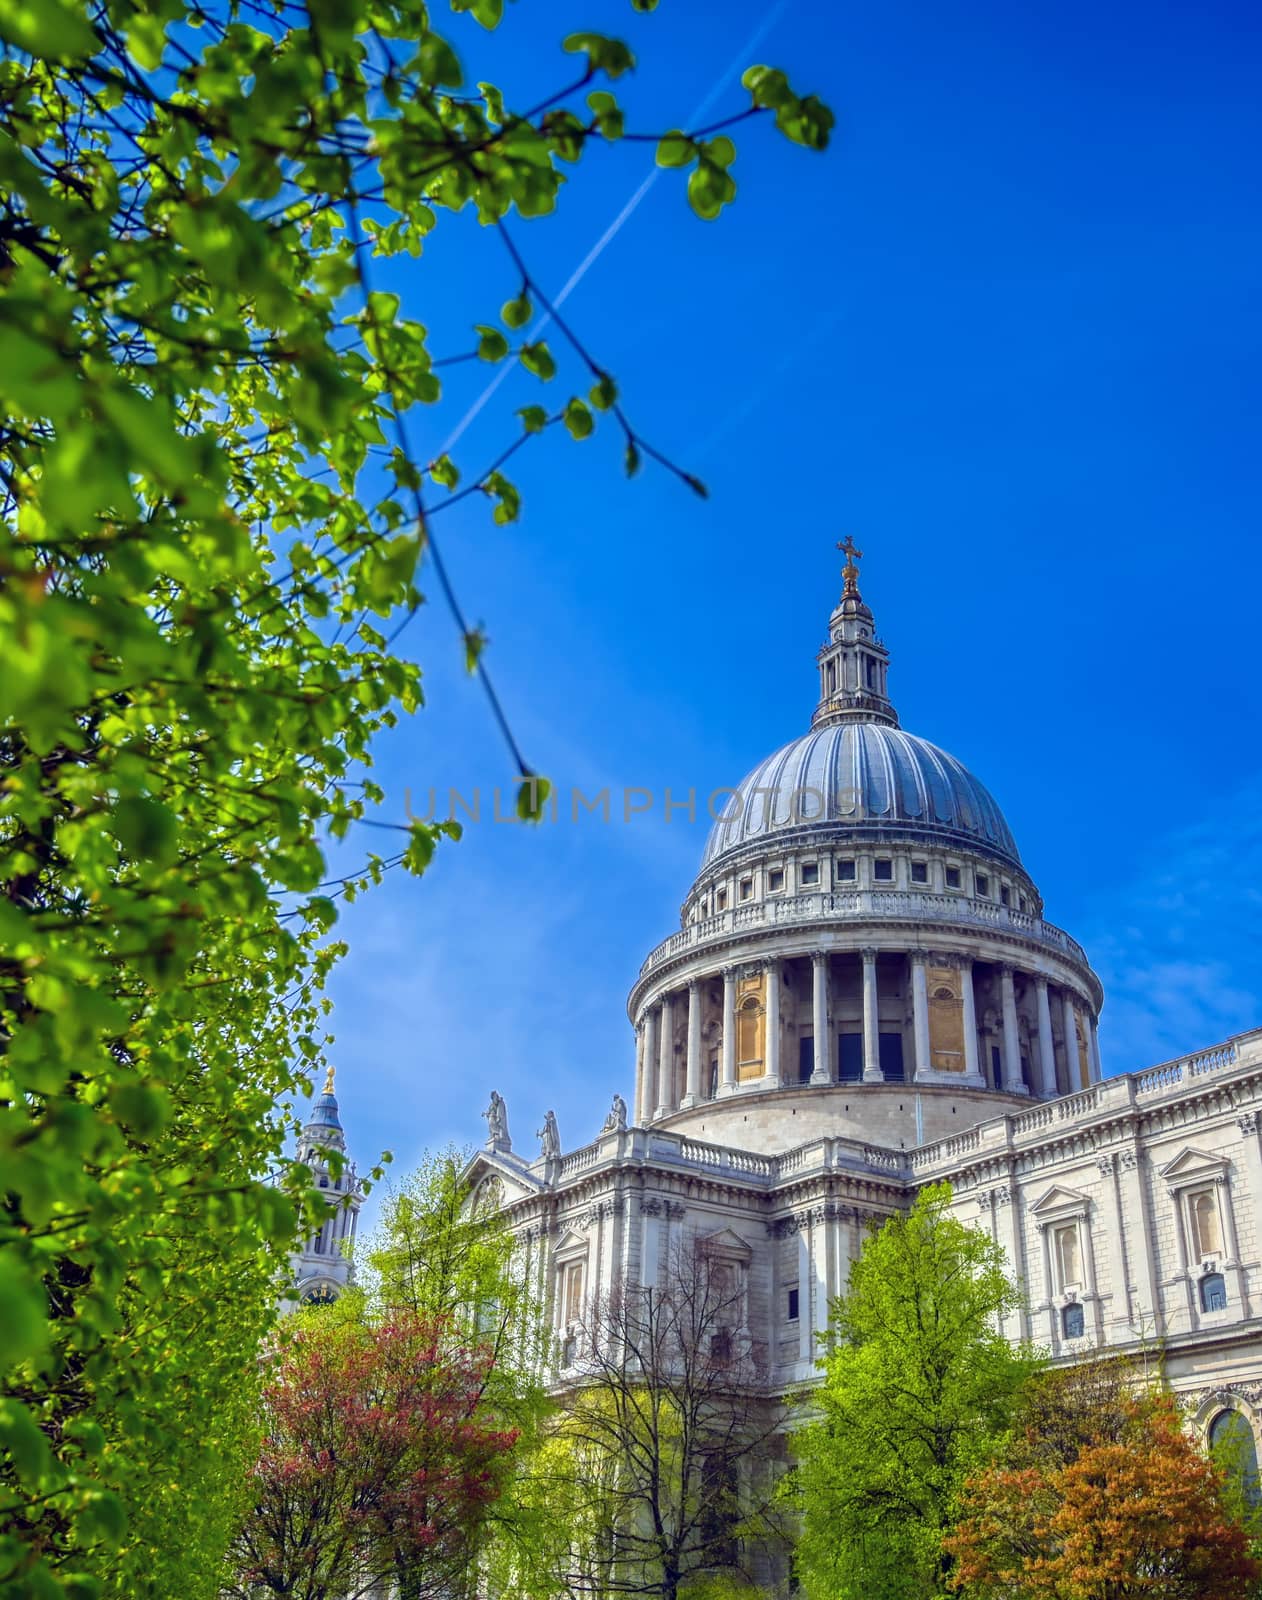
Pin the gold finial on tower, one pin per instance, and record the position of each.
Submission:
(850, 572)
(328, 1081)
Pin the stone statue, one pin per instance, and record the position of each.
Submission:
(549, 1137)
(616, 1121)
(496, 1115)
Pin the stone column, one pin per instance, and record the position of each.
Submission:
(871, 1021)
(920, 1015)
(819, 994)
(639, 1072)
(1073, 1072)
(648, 1105)
(972, 1061)
(1047, 1049)
(1093, 1049)
(727, 1068)
(771, 1061)
(692, 1092)
(1011, 1038)
(666, 1058)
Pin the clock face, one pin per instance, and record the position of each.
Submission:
(320, 1294)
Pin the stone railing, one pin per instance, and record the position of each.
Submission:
(1009, 1132)
(876, 905)
(1171, 1073)
(579, 1160)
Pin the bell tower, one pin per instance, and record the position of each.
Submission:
(322, 1268)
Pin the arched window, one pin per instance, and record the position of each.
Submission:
(1213, 1292)
(1234, 1448)
(748, 1041)
(1073, 1321)
(1203, 1214)
(1067, 1255)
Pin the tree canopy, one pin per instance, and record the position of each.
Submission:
(1113, 1502)
(212, 525)
(918, 1386)
(381, 1459)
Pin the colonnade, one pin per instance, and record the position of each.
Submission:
(660, 1091)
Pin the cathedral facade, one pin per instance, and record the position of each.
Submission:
(864, 997)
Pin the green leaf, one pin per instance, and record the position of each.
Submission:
(631, 459)
(532, 798)
(675, 150)
(146, 829)
(605, 55)
(578, 418)
(517, 313)
(492, 345)
(533, 418)
(56, 30)
(604, 393)
(102, 1518)
(23, 1439)
(23, 1314)
(438, 62)
(537, 358)
(142, 1107)
(474, 644)
(445, 472)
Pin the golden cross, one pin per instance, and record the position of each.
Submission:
(852, 553)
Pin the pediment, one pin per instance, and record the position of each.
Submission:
(1194, 1166)
(515, 1178)
(1061, 1201)
(726, 1243)
(570, 1243)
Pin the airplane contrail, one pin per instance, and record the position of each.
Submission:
(606, 239)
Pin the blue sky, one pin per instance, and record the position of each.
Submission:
(1005, 332)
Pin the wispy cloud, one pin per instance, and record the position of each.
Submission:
(1179, 947)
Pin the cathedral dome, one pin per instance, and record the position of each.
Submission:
(861, 774)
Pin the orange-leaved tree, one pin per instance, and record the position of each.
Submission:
(1130, 1510)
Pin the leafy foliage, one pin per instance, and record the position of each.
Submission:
(381, 1459)
(210, 510)
(1132, 1509)
(917, 1387)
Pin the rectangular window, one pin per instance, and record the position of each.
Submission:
(806, 1058)
(1005, 894)
(883, 871)
(983, 885)
(720, 900)
(845, 872)
(849, 1057)
(793, 1304)
(920, 872)
(890, 1046)
(775, 880)
(952, 877)
(810, 872)
(1024, 905)
(747, 888)
(571, 1292)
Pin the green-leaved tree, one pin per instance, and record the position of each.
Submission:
(212, 529)
(918, 1385)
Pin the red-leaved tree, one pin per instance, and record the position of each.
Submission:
(379, 1465)
(1131, 1511)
